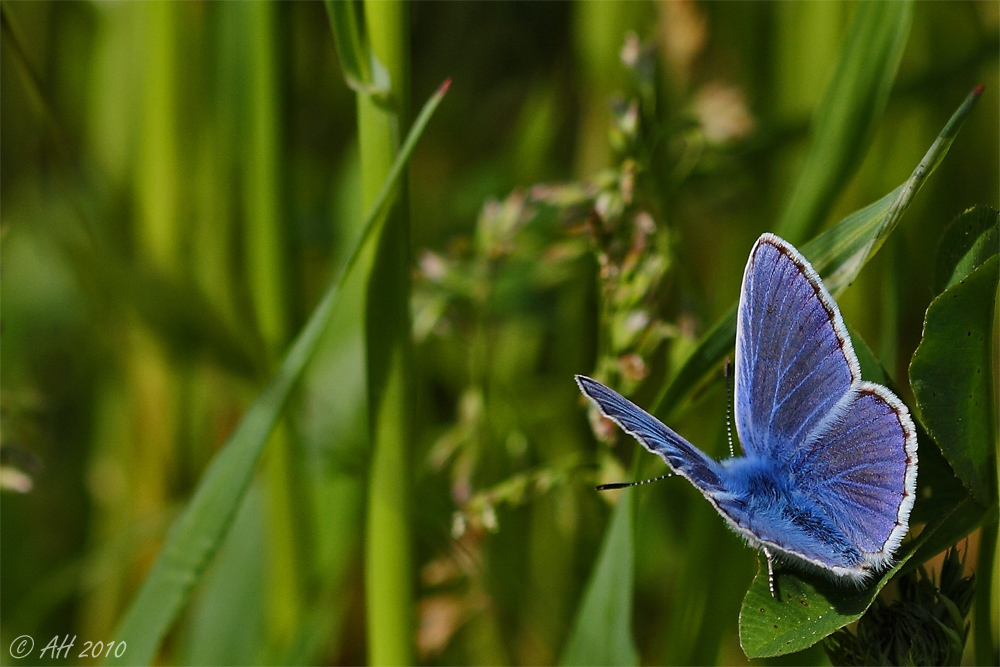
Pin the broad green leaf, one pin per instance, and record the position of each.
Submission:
(602, 630)
(952, 377)
(966, 243)
(197, 534)
(853, 104)
(811, 607)
(838, 255)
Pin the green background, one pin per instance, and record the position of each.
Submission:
(180, 182)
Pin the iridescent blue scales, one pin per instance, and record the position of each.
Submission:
(829, 471)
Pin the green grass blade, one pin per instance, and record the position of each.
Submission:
(348, 37)
(602, 630)
(265, 242)
(226, 618)
(265, 256)
(986, 589)
(853, 105)
(200, 530)
(838, 255)
(388, 564)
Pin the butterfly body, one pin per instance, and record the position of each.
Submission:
(828, 475)
(764, 503)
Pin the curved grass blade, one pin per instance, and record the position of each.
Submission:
(602, 630)
(838, 254)
(199, 531)
(853, 104)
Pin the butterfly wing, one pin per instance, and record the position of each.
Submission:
(794, 359)
(850, 446)
(683, 458)
(861, 468)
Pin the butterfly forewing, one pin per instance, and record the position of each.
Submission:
(682, 457)
(794, 361)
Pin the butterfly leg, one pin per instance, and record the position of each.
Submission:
(770, 572)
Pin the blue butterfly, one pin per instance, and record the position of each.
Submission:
(829, 471)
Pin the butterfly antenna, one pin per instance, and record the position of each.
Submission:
(729, 407)
(622, 485)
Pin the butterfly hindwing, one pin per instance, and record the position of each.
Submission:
(861, 469)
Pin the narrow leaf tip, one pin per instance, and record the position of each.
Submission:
(978, 90)
(443, 88)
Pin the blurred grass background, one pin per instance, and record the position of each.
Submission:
(180, 182)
